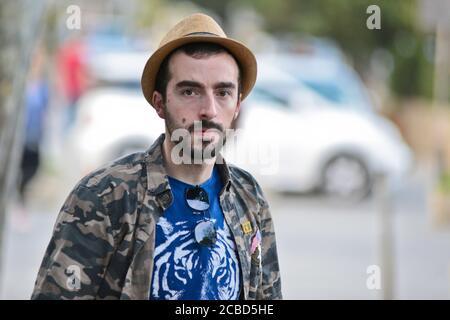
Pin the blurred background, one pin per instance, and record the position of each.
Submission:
(347, 130)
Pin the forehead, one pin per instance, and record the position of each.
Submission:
(208, 69)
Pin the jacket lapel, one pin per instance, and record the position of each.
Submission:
(157, 198)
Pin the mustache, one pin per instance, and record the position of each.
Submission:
(206, 124)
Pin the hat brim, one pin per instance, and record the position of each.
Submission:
(241, 53)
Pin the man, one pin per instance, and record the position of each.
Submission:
(171, 222)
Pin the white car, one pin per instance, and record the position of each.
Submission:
(112, 122)
(302, 141)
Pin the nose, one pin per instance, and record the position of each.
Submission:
(209, 109)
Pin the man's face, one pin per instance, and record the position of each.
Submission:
(202, 91)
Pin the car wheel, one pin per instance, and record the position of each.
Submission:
(346, 177)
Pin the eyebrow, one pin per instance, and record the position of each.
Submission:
(223, 85)
(195, 84)
(187, 83)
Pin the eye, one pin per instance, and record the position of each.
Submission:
(224, 93)
(188, 92)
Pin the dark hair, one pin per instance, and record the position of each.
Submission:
(196, 50)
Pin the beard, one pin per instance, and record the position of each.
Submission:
(198, 147)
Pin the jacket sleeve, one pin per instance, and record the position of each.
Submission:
(270, 288)
(76, 257)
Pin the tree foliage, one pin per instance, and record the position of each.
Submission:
(344, 21)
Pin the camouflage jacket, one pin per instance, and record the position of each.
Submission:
(104, 237)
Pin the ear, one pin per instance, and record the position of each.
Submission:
(158, 104)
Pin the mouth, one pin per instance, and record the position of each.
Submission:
(206, 131)
(206, 135)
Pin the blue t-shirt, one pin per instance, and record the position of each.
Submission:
(184, 269)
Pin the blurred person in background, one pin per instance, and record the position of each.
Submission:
(148, 227)
(36, 105)
(72, 76)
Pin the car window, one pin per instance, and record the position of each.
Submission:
(326, 90)
(330, 79)
(260, 94)
(342, 93)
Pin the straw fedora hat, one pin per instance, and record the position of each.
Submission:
(198, 28)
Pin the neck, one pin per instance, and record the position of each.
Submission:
(189, 173)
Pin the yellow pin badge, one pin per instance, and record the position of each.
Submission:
(247, 227)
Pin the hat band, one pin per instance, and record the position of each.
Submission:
(201, 33)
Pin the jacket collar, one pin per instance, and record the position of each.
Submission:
(157, 181)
